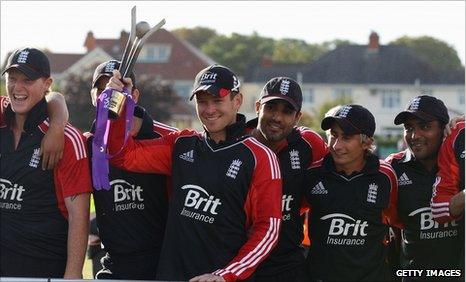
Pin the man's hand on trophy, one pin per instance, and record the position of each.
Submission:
(117, 83)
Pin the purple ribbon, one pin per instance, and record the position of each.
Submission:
(100, 157)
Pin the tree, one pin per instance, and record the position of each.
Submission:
(196, 36)
(333, 44)
(437, 53)
(156, 97)
(239, 52)
(290, 50)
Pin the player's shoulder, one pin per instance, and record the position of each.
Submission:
(309, 135)
(395, 157)
(263, 155)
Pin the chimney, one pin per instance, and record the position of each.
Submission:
(373, 42)
(89, 43)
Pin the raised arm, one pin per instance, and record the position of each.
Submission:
(52, 144)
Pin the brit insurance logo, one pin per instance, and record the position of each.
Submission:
(11, 195)
(127, 196)
(430, 229)
(287, 200)
(199, 204)
(345, 230)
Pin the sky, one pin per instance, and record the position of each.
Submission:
(61, 26)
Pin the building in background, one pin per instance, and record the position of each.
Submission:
(164, 56)
(383, 78)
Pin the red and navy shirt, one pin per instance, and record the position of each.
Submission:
(33, 212)
(225, 207)
(131, 216)
(450, 178)
(421, 235)
(348, 222)
(302, 149)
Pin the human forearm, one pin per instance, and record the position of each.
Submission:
(457, 204)
(78, 230)
(53, 142)
(57, 109)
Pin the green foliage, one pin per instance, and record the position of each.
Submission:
(2, 88)
(333, 44)
(242, 52)
(239, 52)
(296, 51)
(437, 53)
(313, 120)
(155, 97)
(196, 36)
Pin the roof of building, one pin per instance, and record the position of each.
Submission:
(362, 64)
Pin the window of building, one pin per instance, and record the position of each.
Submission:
(308, 96)
(342, 94)
(391, 98)
(155, 53)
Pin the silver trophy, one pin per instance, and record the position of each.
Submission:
(139, 33)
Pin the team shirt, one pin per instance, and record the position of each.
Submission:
(451, 173)
(33, 212)
(131, 216)
(421, 235)
(301, 149)
(224, 211)
(348, 222)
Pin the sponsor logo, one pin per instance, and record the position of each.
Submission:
(294, 159)
(428, 225)
(319, 189)
(23, 56)
(462, 155)
(372, 193)
(188, 156)
(127, 196)
(12, 193)
(345, 230)
(35, 158)
(234, 168)
(404, 180)
(208, 78)
(284, 86)
(286, 206)
(199, 204)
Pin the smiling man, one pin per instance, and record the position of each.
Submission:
(297, 149)
(224, 212)
(416, 167)
(352, 199)
(44, 213)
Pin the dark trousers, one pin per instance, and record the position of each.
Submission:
(13, 264)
